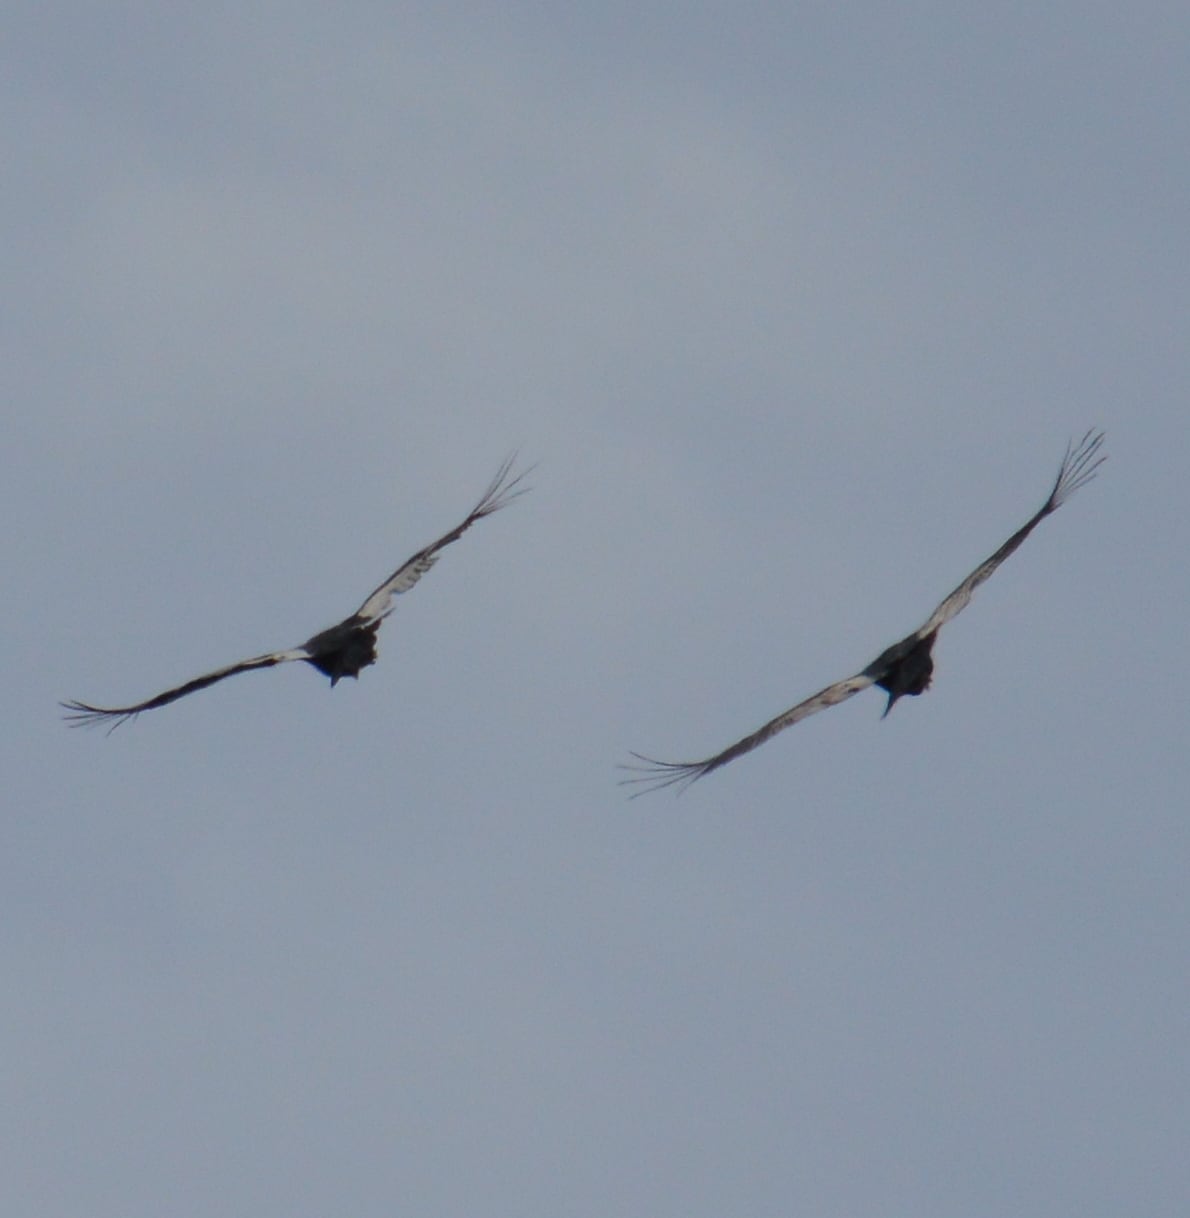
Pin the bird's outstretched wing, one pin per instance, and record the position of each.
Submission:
(502, 490)
(1078, 468)
(83, 714)
(652, 775)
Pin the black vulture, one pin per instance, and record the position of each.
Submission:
(342, 650)
(905, 667)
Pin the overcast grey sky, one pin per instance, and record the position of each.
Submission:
(796, 306)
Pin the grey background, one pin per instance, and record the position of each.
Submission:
(796, 307)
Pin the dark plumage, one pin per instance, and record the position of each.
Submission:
(905, 667)
(342, 650)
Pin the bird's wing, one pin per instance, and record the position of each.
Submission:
(502, 490)
(1078, 468)
(652, 775)
(81, 714)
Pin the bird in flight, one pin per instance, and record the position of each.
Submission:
(342, 650)
(903, 668)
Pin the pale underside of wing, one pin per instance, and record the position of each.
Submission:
(1078, 468)
(83, 714)
(653, 775)
(502, 490)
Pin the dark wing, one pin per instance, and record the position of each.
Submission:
(1078, 468)
(502, 490)
(652, 775)
(83, 714)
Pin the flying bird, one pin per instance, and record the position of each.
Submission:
(342, 650)
(905, 667)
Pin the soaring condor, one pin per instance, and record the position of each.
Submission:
(905, 667)
(341, 650)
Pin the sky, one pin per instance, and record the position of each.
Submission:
(794, 309)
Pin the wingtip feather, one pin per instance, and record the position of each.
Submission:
(1079, 466)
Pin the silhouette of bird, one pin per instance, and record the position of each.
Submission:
(905, 667)
(342, 650)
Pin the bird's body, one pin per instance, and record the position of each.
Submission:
(904, 668)
(342, 650)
